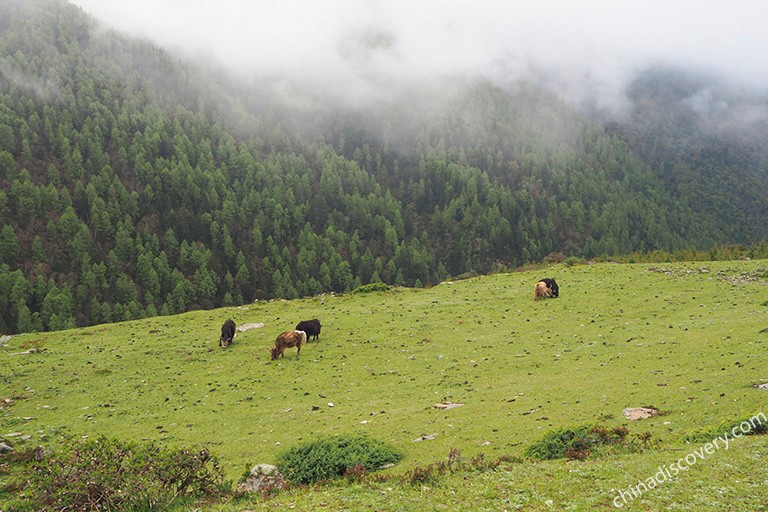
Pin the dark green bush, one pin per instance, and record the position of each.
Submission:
(580, 442)
(372, 287)
(753, 426)
(106, 474)
(333, 457)
(573, 260)
(555, 443)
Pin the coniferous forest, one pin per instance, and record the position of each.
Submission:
(134, 183)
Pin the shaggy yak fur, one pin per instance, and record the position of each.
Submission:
(227, 333)
(541, 291)
(546, 288)
(286, 340)
(552, 285)
(311, 327)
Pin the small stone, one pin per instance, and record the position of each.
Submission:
(264, 469)
(640, 413)
(446, 405)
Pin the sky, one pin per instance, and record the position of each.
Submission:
(582, 48)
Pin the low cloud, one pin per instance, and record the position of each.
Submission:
(586, 52)
(42, 89)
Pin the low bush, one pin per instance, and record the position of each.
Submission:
(555, 443)
(372, 287)
(107, 474)
(573, 260)
(334, 457)
(554, 257)
(429, 474)
(752, 426)
(432, 473)
(582, 441)
(421, 475)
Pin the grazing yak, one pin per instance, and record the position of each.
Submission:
(311, 327)
(227, 333)
(545, 288)
(552, 285)
(288, 339)
(541, 291)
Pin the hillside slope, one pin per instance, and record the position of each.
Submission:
(134, 184)
(685, 338)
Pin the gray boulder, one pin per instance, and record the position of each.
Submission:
(263, 477)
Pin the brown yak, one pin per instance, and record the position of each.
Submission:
(286, 340)
(541, 291)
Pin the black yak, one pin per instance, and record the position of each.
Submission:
(311, 327)
(545, 288)
(552, 285)
(227, 333)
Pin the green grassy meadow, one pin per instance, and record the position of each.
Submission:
(687, 338)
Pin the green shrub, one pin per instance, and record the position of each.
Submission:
(555, 443)
(106, 474)
(573, 260)
(554, 257)
(580, 442)
(372, 287)
(752, 426)
(333, 457)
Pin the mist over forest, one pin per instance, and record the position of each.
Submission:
(160, 159)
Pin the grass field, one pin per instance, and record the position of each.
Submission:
(689, 339)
